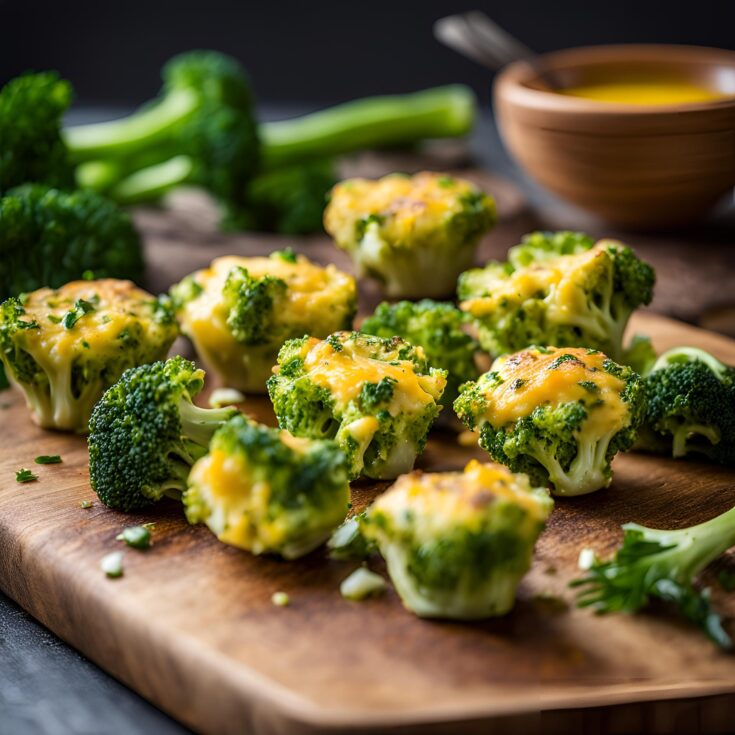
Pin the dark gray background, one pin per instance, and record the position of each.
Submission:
(317, 52)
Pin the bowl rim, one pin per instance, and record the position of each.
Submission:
(512, 82)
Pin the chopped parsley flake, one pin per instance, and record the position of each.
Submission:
(48, 459)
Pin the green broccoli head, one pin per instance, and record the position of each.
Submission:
(203, 113)
(691, 406)
(458, 543)
(49, 237)
(655, 564)
(65, 347)
(264, 490)
(376, 397)
(436, 327)
(146, 433)
(289, 200)
(239, 311)
(414, 234)
(31, 108)
(557, 289)
(221, 136)
(559, 415)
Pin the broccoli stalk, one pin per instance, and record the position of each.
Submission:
(587, 472)
(661, 564)
(373, 122)
(146, 433)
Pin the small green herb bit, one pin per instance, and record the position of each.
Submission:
(138, 537)
(81, 307)
(24, 475)
(48, 459)
(112, 565)
(86, 504)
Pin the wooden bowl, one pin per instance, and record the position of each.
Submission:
(636, 166)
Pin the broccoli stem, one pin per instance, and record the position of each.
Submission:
(369, 123)
(119, 138)
(199, 424)
(692, 548)
(682, 434)
(153, 182)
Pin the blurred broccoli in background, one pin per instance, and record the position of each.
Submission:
(65, 347)
(438, 329)
(376, 397)
(559, 415)
(239, 311)
(691, 406)
(145, 434)
(557, 289)
(204, 112)
(32, 150)
(201, 130)
(50, 237)
(414, 234)
(458, 543)
(266, 491)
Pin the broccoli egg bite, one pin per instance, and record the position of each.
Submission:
(414, 234)
(559, 415)
(64, 347)
(266, 491)
(239, 311)
(458, 543)
(376, 397)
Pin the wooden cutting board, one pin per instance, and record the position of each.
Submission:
(191, 625)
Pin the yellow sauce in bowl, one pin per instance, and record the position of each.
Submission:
(645, 92)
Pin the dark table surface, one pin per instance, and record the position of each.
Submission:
(46, 688)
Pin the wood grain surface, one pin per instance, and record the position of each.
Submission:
(191, 625)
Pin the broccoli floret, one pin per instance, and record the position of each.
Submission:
(32, 151)
(49, 237)
(557, 289)
(415, 234)
(65, 347)
(376, 397)
(655, 564)
(691, 406)
(438, 329)
(146, 433)
(289, 200)
(457, 544)
(559, 415)
(239, 311)
(266, 491)
(204, 112)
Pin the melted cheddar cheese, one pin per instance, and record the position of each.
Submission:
(408, 208)
(462, 496)
(532, 378)
(117, 306)
(344, 372)
(238, 504)
(558, 280)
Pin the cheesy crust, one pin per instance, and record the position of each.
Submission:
(519, 383)
(440, 499)
(346, 370)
